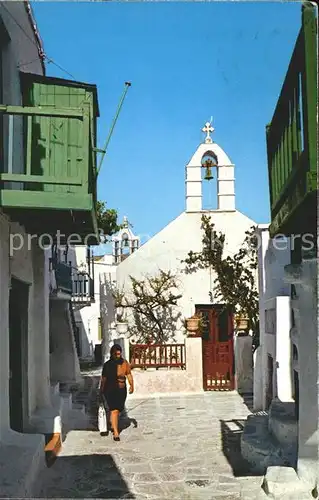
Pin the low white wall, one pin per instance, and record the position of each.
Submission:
(258, 379)
(174, 380)
(244, 364)
(277, 344)
(284, 389)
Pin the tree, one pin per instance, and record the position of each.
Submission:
(152, 303)
(106, 219)
(235, 282)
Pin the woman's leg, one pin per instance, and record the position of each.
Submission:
(108, 420)
(115, 422)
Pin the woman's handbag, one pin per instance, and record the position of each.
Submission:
(102, 422)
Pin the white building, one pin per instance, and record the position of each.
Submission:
(273, 356)
(166, 250)
(37, 352)
(283, 440)
(93, 303)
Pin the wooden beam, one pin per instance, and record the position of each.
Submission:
(42, 111)
(45, 200)
(41, 179)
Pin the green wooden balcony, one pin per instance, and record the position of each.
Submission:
(63, 277)
(48, 169)
(292, 138)
(72, 284)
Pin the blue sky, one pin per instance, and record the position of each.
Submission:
(187, 61)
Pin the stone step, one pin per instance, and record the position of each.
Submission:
(251, 488)
(22, 462)
(282, 483)
(79, 407)
(283, 423)
(259, 447)
(66, 398)
(55, 389)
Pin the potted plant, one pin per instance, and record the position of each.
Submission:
(121, 323)
(193, 324)
(241, 322)
(121, 327)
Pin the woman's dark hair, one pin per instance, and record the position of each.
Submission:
(115, 348)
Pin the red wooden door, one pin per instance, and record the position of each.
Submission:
(218, 348)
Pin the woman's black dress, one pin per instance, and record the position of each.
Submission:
(114, 394)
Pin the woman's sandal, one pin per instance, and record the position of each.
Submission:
(116, 438)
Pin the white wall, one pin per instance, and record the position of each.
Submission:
(64, 362)
(152, 382)
(88, 317)
(107, 310)
(170, 246)
(29, 266)
(276, 343)
(244, 364)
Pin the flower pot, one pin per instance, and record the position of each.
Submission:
(192, 324)
(241, 323)
(121, 328)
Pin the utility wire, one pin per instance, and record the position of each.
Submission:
(48, 59)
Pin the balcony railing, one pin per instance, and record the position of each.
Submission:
(157, 356)
(82, 288)
(63, 277)
(292, 133)
(49, 157)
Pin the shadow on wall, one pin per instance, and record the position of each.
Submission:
(64, 360)
(231, 431)
(276, 258)
(86, 350)
(107, 311)
(88, 476)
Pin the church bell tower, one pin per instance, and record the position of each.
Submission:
(124, 243)
(213, 159)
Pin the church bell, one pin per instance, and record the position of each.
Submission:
(208, 165)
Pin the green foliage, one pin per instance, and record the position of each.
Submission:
(235, 282)
(106, 219)
(152, 303)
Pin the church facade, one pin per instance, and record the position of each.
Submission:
(167, 250)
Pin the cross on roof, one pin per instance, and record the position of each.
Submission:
(207, 129)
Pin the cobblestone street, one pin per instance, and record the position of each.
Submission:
(171, 448)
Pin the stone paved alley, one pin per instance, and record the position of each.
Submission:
(185, 447)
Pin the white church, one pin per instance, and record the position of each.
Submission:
(168, 248)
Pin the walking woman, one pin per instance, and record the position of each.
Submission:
(113, 386)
